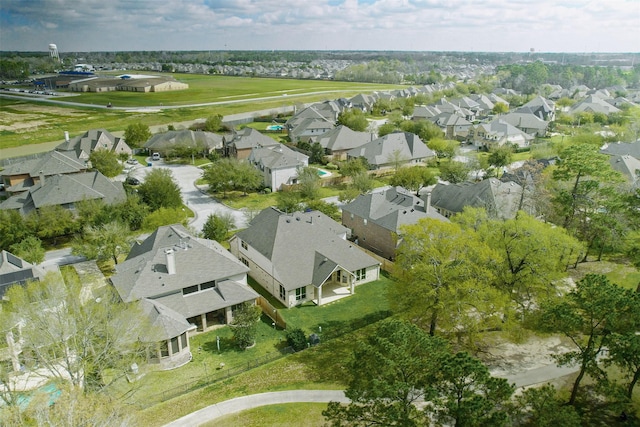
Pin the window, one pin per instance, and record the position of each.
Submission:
(243, 244)
(244, 261)
(174, 345)
(283, 293)
(189, 290)
(208, 285)
(361, 274)
(164, 349)
(183, 339)
(301, 293)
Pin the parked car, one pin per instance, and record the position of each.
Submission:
(132, 180)
(132, 161)
(155, 156)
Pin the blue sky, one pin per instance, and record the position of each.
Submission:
(422, 25)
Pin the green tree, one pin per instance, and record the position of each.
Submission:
(164, 216)
(160, 190)
(214, 123)
(354, 119)
(296, 339)
(102, 242)
(468, 395)
(309, 183)
(246, 177)
(454, 172)
(413, 178)
(229, 174)
(12, 228)
(51, 222)
(425, 129)
(75, 335)
(317, 153)
(136, 134)
(244, 324)
(353, 166)
(386, 129)
(131, 212)
(106, 162)
(587, 316)
(500, 156)
(442, 281)
(29, 249)
(500, 108)
(288, 201)
(329, 209)
(540, 407)
(444, 148)
(391, 370)
(362, 182)
(218, 226)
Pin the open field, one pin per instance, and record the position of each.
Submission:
(27, 122)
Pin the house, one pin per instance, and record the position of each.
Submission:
(182, 281)
(498, 133)
(66, 191)
(499, 199)
(424, 112)
(337, 142)
(309, 129)
(392, 150)
(542, 107)
(593, 104)
(525, 120)
(363, 102)
(302, 257)
(622, 148)
(454, 126)
(25, 172)
(628, 166)
(95, 139)
(240, 144)
(15, 271)
(278, 165)
(166, 143)
(375, 218)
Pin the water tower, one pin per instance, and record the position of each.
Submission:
(53, 52)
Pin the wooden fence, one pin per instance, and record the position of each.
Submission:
(271, 312)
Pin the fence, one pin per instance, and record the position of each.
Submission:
(212, 377)
(271, 312)
(386, 265)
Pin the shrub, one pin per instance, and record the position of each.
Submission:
(296, 339)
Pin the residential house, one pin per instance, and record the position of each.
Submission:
(446, 106)
(499, 199)
(363, 102)
(393, 150)
(309, 129)
(95, 139)
(302, 257)
(525, 120)
(542, 107)
(25, 172)
(628, 166)
(14, 271)
(454, 126)
(485, 104)
(498, 133)
(337, 142)
(622, 148)
(278, 165)
(375, 218)
(425, 112)
(593, 104)
(185, 281)
(240, 144)
(66, 191)
(166, 143)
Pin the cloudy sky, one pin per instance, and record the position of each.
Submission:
(427, 25)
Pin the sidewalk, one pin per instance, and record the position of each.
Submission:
(239, 404)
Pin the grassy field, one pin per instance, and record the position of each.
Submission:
(25, 122)
(287, 415)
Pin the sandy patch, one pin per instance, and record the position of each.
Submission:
(509, 358)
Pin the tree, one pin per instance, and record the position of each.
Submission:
(500, 156)
(353, 166)
(413, 178)
(246, 177)
(444, 148)
(131, 212)
(397, 159)
(500, 108)
(442, 280)
(74, 334)
(213, 123)
(329, 209)
(296, 339)
(454, 172)
(309, 183)
(386, 129)
(12, 228)
(425, 129)
(540, 407)
(243, 326)
(288, 201)
(164, 216)
(354, 119)
(587, 316)
(217, 226)
(136, 134)
(160, 190)
(51, 222)
(390, 371)
(229, 174)
(106, 162)
(29, 249)
(317, 153)
(103, 242)
(362, 182)
(468, 395)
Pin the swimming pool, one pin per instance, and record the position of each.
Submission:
(275, 127)
(323, 173)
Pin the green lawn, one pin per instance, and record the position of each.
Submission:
(286, 415)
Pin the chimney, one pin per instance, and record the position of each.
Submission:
(41, 178)
(427, 205)
(171, 261)
(66, 136)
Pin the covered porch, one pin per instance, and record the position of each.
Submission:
(339, 284)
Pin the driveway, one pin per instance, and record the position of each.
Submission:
(197, 200)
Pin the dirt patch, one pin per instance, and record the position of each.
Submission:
(509, 358)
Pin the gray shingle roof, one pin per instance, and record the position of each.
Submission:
(50, 163)
(382, 151)
(144, 274)
(342, 138)
(391, 209)
(278, 157)
(165, 323)
(91, 140)
(303, 247)
(622, 148)
(249, 138)
(16, 271)
(171, 139)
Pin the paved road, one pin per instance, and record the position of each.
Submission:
(521, 379)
